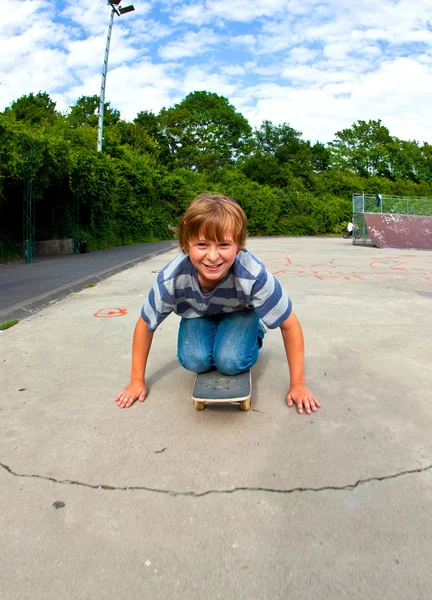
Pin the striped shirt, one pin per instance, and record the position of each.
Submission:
(247, 285)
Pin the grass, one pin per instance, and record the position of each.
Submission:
(8, 324)
(88, 285)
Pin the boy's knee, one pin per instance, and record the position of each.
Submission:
(230, 370)
(197, 364)
(228, 364)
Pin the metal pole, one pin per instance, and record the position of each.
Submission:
(102, 92)
(29, 207)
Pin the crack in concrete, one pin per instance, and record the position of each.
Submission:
(349, 486)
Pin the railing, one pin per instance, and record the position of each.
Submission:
(401, 205)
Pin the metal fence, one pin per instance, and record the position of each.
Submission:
(375, 203)
(401, 205)
(360, 232)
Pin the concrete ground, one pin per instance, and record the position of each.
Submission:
(160, 501)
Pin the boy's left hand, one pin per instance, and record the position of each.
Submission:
(302, 397)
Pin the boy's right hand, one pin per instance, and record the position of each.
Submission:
(136, 390)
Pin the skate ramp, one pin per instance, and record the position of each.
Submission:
(399, 231)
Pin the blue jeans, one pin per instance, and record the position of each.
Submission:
(227, 342)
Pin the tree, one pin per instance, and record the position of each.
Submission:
(85, 112)
(278, 140)
(406, 160)
(264, 169)
(286, 145)
(426, 166)
(320, 158)
(204, 131)
(363, 149)
(36, 109)
(134, 136)
(147, 123)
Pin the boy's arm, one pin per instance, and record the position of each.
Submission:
(141, 345)
(292, 335)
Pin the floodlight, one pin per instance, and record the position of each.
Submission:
(114, 11)
(126, 9)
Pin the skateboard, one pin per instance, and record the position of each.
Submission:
(213, 387)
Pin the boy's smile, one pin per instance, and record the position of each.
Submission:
(212, 260)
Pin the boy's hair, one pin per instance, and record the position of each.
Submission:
(214, 217)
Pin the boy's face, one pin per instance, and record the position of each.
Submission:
(212, 260)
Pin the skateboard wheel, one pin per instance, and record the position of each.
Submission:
(199, 405)
(245, 404)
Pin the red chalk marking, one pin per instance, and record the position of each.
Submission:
(111, 312)
(279, 258)
(398, 267)
(330, 264)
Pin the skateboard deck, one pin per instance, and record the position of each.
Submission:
(213, 387)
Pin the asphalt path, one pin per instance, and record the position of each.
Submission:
(27, 288)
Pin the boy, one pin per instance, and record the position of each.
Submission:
(227, 300)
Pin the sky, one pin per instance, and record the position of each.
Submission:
(318, 65)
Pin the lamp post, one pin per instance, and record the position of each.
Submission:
(118, 11)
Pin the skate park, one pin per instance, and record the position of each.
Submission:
(392, 221)
(162, 501)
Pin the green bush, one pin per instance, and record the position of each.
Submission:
(9, 249)
(340, 228)
(261, 203)
(296, 225)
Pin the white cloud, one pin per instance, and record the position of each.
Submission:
(243, 11)
(148, 30)
(319, 113)
(233, 70)
(314, 76)
(150, 87)
(200, 79)
(301, 54)
(337, 50)
(41, 34)
(318, 64)
(17, 17)
(93, 16)
(248, 41)
(192, 44)
(38, 77)
(268, 71)
(191, 13)
(85, 53)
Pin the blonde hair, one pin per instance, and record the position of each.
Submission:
(213, 217)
